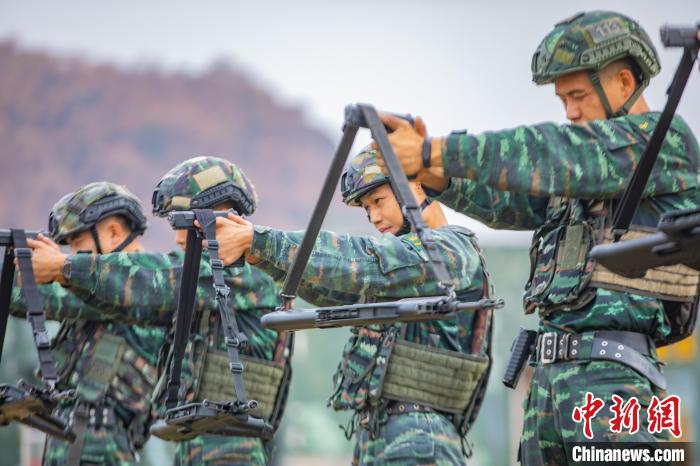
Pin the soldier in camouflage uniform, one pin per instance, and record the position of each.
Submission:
(112, 366)
(143, 288)
(564, 181)
(411, 385)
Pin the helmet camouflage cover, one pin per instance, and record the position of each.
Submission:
(201, 183)
(591, 41)
(81, 210)
(361, 175)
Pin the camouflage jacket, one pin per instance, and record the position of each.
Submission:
(75, 352)
(347, 269)
(142, 289)
(524, 178)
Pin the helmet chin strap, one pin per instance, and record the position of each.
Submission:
(625, 108)
(132, 236)
(406, 226)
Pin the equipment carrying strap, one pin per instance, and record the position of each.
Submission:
(635, 189)
(190, 274)
(35, 309)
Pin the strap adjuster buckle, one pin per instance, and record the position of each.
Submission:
(236, 367)
(563, 347)
(548, 347)
(222, 290)
(23, 253)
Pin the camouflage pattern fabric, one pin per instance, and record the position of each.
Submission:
(555, 391)
(73, 350)
(215, 450)
(520, 170)
(591, 41)
(347, 269)
(180, 187)
(70, 214)
(141, 288)
(104, 445)
(511, 179)
(411, 439)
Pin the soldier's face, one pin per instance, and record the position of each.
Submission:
(82, 242)
(383, 211)
(181, 238)
(580, 99)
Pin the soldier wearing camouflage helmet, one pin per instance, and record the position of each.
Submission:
(206, 183)
(110, 365)
(598, 330)
(423, 418)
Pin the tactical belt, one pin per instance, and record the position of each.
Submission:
(396, 408)
(628, 348)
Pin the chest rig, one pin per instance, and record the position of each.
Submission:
(564, 278)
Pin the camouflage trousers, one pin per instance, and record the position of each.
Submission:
(558, 388)
(218, 450)
(107, 445)
(410, 439)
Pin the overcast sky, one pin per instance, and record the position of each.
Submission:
(458, 64)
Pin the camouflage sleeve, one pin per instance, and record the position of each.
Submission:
(143, 288)
(59, 304)
(592, 160)
(497, 209)
(353, 269)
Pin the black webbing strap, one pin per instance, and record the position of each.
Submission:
(291, 282)
(35, 309)
(411, 210)
(81, 417)
(633, 194)
(185, 307)
(234, 338)
(6, 279)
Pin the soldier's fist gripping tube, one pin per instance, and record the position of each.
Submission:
(355, 117)
(523, 346)
(184, 220)
(680, 36)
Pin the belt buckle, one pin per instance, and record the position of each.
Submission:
(548, 348)
(563, 347)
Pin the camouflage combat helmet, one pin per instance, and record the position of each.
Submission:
(591, 41)
(361, 175)
(204, 182)
(81, 210)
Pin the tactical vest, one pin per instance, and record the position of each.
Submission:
(379, 365)
(265, 381)
(563, 278)
(96, 362)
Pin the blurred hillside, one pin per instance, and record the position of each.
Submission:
(65, 122)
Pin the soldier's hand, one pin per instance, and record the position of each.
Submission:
(406, 141)
(47, 260)
(235, 235)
